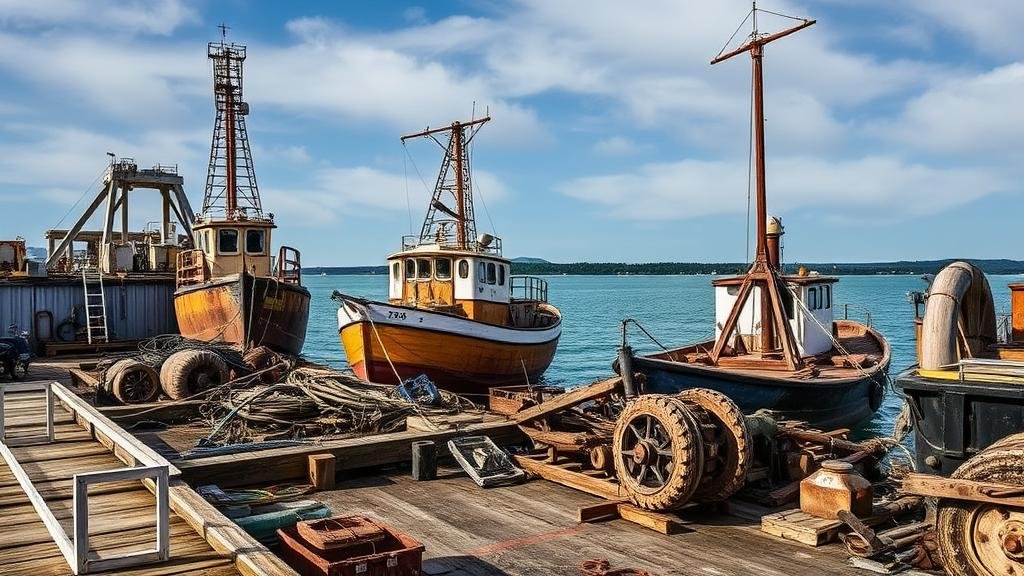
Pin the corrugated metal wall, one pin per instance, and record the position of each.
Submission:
(134, 309)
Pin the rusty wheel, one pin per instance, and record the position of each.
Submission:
(261, 358)
(133, 382)
(725, 467)
(658, 452)
(981, 539)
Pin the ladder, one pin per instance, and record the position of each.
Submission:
(95, 305)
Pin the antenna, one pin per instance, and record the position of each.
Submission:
(231, 190)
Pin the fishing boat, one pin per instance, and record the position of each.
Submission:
(229, 289)
(454, 311)
(777, 343)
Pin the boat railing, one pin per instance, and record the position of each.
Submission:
(289, 265)
(492, 247)
(190, 268)
(528, 288)
(858, 311)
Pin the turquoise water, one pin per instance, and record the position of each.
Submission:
(675, 309)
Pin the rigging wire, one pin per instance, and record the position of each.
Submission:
(729, 41)
(62, 218)
(476, 190)
(408, 202)
(782, 15)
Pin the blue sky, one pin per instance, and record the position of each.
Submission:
(894, 129)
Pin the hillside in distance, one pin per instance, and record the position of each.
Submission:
(540, 267)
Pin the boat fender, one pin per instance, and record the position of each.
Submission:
(876, 395)
(188, 372)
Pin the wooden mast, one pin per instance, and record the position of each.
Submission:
(763, 272)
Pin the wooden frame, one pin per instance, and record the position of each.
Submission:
(47, 387)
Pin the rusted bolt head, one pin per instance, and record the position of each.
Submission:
(932, 461)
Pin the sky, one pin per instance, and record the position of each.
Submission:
(894, 129)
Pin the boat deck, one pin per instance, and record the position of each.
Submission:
(532, 529)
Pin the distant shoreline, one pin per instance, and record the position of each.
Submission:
(900, 268)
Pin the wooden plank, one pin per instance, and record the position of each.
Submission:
(282, 464)
(575, 480)
(597, 512)
(661, 523)
(569, 399)
(939, 487)
(801, 527)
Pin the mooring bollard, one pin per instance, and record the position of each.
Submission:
(424, 460)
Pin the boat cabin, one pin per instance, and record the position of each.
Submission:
(466, 283)
(807, 316)
(231, 246)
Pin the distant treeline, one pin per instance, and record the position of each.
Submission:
(722, 268)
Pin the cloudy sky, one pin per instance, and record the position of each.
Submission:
(894, 129)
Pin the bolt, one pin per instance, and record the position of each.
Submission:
(932, 461)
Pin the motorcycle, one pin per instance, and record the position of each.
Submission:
(15, 353)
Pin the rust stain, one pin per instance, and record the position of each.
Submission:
(524, 541)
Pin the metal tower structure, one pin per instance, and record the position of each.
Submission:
(454, 186)
(231, 190)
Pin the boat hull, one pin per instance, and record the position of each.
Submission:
(458, 354)
(826, 403)
(246, 311)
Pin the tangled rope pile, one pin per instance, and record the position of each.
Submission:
(154, 351)
(315, 402)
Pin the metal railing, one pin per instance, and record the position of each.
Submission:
(75, 548)
(414, 241)
(528, 288)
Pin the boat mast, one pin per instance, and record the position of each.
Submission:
(456, 152)
(763, 271)
(230, 180)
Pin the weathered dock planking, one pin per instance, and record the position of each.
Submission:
(121, 514)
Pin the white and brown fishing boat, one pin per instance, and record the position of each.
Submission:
(229, 288)
(454, 312)
(777, 344)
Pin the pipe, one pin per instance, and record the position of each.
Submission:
(959, 316)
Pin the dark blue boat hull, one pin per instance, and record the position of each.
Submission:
(824, 404)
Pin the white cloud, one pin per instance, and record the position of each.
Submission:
(124, 17)
(616, 146)
(869, 185)
(992, 26)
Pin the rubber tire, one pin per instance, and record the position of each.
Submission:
(117, 376)
(728, 419)
(999, 463)
(687, 448)
(188, 372)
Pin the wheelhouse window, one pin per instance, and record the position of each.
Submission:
(463, 269)
(813, 302)
(481, 274)
(827, 291)
(492, 277)
(501, 275)
(227, 241)
(255, 241)
(396, 271)
(410, 269)
(423, 269)
(442, 269)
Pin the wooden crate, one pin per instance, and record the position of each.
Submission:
(801, 527)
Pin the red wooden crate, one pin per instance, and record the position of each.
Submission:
(396, 555)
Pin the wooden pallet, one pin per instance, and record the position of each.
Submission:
(801, 527)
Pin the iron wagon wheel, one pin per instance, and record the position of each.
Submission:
(133, 382)
(188, 372)
(982, 539)
(658, 452)
(725, 470)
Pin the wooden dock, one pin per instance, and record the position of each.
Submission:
(121, 514)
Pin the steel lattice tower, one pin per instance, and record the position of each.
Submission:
(231, 189)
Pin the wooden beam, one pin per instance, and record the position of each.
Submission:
(281, 464)
(574, 480)
(321, 471)
(570, 399)
(662, 523)
(956, 489)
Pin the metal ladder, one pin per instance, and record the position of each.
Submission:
(95, 305)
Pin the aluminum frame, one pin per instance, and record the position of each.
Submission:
(46, 387)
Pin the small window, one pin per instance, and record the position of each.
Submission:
(396, 271)
(208, 242)
(827, 290)
(442, 269)
(227, 241)
(463, 269)
(481, 274)
(254, 241)
(423, 268)
(491, 273)
(410, 269)
(501, 275)
(812, 298)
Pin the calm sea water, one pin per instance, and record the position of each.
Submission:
(675, 309)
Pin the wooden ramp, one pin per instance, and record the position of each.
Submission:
(121, 514)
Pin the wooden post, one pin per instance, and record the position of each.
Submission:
(321, 471)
